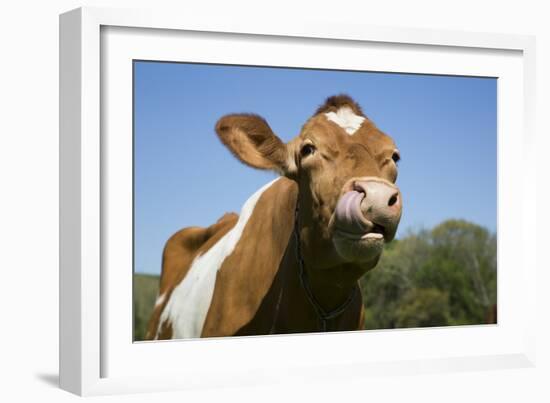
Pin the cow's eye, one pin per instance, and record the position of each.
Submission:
(307, 149)
(395, 157)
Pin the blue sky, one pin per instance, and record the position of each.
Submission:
(445, 128)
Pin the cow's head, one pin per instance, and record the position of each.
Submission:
(345, 169)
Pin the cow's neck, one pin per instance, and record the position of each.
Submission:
(330, 291)
(331, 295)
(294, 311)
(329, 288)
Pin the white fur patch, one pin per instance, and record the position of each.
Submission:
(346, 119)
(188, 305)
(160, 300)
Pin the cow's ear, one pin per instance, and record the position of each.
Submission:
(252, 141)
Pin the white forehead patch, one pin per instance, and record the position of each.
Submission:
(346, 119)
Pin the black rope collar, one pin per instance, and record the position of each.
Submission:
(323, 315)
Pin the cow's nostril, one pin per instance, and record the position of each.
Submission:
(392, 200)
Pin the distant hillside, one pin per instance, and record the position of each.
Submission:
(145, 293)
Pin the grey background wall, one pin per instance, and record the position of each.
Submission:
(29, 201)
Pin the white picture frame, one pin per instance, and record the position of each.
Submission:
(96, 42)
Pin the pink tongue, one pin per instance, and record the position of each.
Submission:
(348, 213)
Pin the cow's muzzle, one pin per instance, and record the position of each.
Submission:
(367, 214)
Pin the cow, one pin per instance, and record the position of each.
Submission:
(292, 260)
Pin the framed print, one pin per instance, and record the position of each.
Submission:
(236, 197)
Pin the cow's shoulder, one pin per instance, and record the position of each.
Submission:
(246, 278)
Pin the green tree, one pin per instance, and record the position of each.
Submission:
(423, 307)
(446, 276)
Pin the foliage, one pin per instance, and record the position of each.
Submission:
(145, 294)
(446, 276)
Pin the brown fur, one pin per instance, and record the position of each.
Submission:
(332, 104)
(247, 274)
(251, 140)
(258, 290)
(179, 252)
